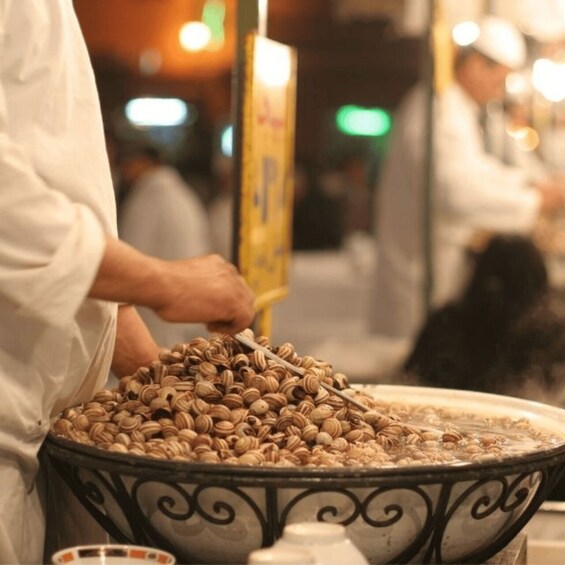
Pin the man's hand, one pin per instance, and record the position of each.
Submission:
(207, 289)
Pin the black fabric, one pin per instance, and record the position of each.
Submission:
(502, 331)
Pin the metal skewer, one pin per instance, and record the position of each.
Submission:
(252, 344)
(248, 342)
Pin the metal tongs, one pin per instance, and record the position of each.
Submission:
(252, 344)
(248, 342)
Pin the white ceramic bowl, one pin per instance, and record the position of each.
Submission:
(220, 513)
(328, 543)
(111, 554)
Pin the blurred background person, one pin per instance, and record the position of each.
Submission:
(553, 140)
(318, 219)
(346, 180)
(473, 191)
(220, 208)
(509, 135)
(504, 334)
(160, 215)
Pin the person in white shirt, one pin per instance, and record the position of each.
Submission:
(472, 190)
(63, 271)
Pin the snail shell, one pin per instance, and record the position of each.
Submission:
(332, 427)
(198, 406)
(238, 415)
(97, 414)
(259, 407)
(239, 361)
(219, 412)
(299, 419)
(209, 457)
(286, 351)
(82, 423)
(283, 421)
(168, 357)
(311, 383)
(147, 393)
(259, 360)
(203, 424)
(181, 402)
(275, 400)
(149, 429)
(104, 395)
(223, 428)
(232, 400)
(187, 435)
(62, 426)
(292, 442)
(271, 382)
(253, 457)
(129, 424)
(453, 436)
(250, 395)
(309, 433)
(354, 435)
(323, 438)
(321, 413)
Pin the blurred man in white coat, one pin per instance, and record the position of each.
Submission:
(66, 282)
(472, 190)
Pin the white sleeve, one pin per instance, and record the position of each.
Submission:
(51, 247)
(477, 187)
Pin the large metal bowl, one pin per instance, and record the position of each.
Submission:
(220, 513)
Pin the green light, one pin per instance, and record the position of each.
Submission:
(213, 15)
(355, 120)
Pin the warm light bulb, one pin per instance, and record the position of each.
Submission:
(195, 36)
(549, 78)
(465, 33)
(274, 64)
(516, 84)
(526, 138)
(156, 112)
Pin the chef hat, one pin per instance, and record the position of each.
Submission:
(500, 41)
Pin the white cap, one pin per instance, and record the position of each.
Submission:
(500, 41)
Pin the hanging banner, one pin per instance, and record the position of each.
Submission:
(267, 168)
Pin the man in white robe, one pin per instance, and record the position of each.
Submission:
(63, 272)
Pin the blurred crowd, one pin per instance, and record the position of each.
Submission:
(493, 195)
(330, 203)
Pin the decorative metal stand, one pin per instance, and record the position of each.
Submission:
(209, 513)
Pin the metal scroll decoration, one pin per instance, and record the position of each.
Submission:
(201, 518)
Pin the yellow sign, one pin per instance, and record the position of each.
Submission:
(265, 236)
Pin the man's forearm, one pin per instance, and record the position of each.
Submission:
(205, 289)
(134, 345)
(126, 275)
